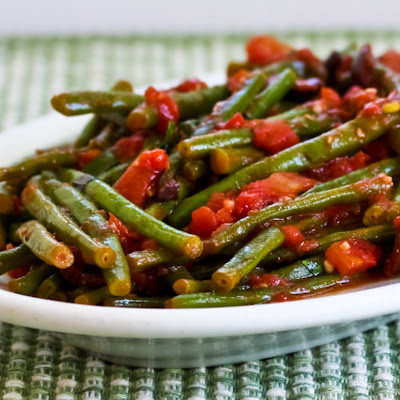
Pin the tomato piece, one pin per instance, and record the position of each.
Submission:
(204, 222)
(392, 60)
(273, 136)
(353, 255)
(263, 50)
(149, 282)
(236, 81)
(149, 244)
(330, 98)
(308, 85)
(396, 222)
(128, 148)
(127, 237)
(342, 214)
(339, 166)
(189, 85)
(166, 107)
(293, 236)
(138, 181)
(357, 98)
(236, 122)
(267, 280)
(87, 157)
(216, 201)
(279, 186)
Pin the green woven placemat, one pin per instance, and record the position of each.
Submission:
(34, 365)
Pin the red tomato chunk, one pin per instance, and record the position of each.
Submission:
(166, 107)
(263, 50)
(267, 280)
(139, 180)
(273, 136)
(86, 157)
(279, 186)
(128, 148)
(293, 236)
(353, 255)
(189, 85)
(127, 237)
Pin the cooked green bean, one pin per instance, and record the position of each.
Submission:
(43, 245)
(247, 258)
(6, 202)
(15, 258)
(272, 94)
(134, 301)
(228, 161)
(87, 214)
(185, 286)
(49, 286)
(143, 223)
(93, 297)
(54, 219)
(29, 283)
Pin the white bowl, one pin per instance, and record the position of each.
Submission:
(192, 337)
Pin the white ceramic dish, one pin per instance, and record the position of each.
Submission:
(194, 337)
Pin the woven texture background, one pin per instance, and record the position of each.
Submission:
(34, 365)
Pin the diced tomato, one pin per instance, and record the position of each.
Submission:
(353, 255)
(306, 246)
(392, 60)
(225, 214)
(371, 109)
(279, 186)
(293, 236)
(356, 98)
(396, 222)
(236, 122)
(263, 50)
(189, 85)
(378, 150)
(267, 280)
(127, 148)
(308, 57)
(166, 107)
(330, 98)
(138, 181)
(279, 297)
(273, 136)
(148, 282)
(86, 157)
(204, 222)
(339, 167)
(128, 237)
(392, 264)
(216, 201)
(236, 81)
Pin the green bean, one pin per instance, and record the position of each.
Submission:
(42, 244)
(272, 94)
(93, 297)
(389, 166)
(6, 202)
(376, 234)
(193, 170)
(237, 102)
(91, 129)
(108, 136)
(247, 258)
(348, 194)
(48, 160)
(29, 283)
(227, 161)
(113, 174)
(141, 117)
(105, 161)
(247, 297)
(146, 259)
(134, 217)
(15, 258)
(302, 269)
(200, 146)
(96, 124)
(134, 301)
(185, 286)
(84, 102)
(177, 272)
(49, 286)
(87, 214)
(49, 215)
(346, 138)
